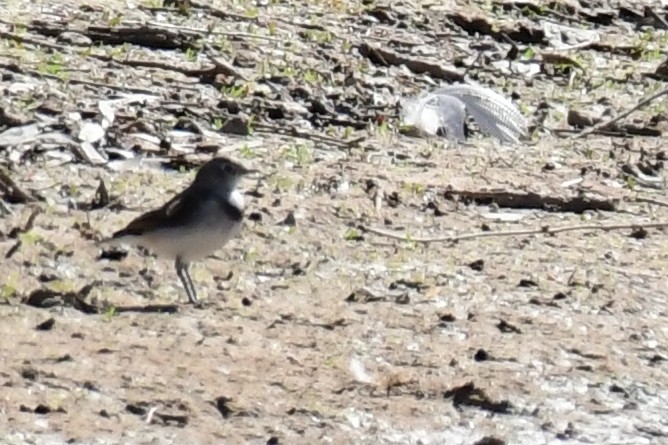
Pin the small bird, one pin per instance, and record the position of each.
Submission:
(195, 223)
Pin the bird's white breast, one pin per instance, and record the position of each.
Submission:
(237, 199)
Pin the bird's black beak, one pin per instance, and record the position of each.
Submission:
(252, 172)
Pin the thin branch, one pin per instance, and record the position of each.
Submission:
(202, 31)
(33, 73)
(29, 40)
(543, 230)
(649, 201)
(87, 54)
(12, 192)
(311, 136)
(604, 124)
(472, 64)
(222, 66)
(222, 14)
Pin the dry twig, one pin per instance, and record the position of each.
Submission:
(220, 65)
(649, 201)
(202, 31)
(543, 230)
(11, 190)
(311, 136)
(37, 74)
(605, 124)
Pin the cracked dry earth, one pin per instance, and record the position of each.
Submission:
(316, 330)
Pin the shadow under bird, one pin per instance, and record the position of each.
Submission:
(195, 223)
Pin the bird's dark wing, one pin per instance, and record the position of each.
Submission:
(176, 212)
(142, 224)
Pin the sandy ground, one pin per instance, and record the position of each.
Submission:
(315, 330)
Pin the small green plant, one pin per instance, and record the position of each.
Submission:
(631, 182)
(312, 76)
(73, 191)
(224, 45)
(52, 65)
(110, 313)
(9, 288)
(29, 238)
(588, 153)
(217, 123)
(115, 20)
(659, 108)
(300, 154)
(529, 13)
(7, 291)
(412, 244)
(649, 55)
(320, 36)
(191, 54)
(184, 8)
(19, 29)
(119, 51)
(236, 91)
(529, 53)
(281, 183)
(249, 255)
(351, 235)
(246, 152)
(414, 188)
(383, 128)
(252, 12)
(11, 44)
(332, 362)
(62, 286)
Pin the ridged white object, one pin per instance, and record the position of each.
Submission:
(447, 107)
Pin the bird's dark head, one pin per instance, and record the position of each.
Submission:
(223, 172)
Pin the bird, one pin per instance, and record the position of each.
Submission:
(193, 224)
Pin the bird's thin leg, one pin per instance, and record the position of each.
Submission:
(182, 272)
